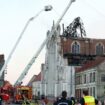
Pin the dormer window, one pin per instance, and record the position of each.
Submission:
(75, 48)
(99, 49)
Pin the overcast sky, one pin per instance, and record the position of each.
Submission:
(15, 13)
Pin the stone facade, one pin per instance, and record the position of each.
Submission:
(86, 50)
(63, 56)
(92, 79)
(56, 74)
(36, 85)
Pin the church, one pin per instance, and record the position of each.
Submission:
(70, 61)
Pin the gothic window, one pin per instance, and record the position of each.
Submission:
(99, 49)
(75, 48)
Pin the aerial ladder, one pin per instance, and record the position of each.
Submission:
(25, 71)
(46, 8)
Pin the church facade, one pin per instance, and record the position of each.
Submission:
(71, 61)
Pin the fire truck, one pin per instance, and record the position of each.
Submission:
(16, 93)
(21, 92)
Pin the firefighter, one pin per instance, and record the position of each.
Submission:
(87, 99)
(73, 100)
(63, 100)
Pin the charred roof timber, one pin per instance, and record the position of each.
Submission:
(75, 31)
(72, 30)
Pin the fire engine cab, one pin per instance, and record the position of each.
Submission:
(21, 91)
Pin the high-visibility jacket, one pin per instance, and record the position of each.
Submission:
(73, 102)
(89, 100)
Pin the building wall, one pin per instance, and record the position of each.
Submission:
(94, 81)
(56, 66)
(57, 74)
(83, 81)
(87, 45)
(36, 88)
(84, 78)
(101, 81)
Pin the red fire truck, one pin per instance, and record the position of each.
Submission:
(21, 91)
(15, 94)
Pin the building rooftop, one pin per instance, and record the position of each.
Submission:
(91, 64)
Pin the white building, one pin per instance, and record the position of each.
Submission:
(56, 74)
(92, 77)
(36, 86)
(73, 50)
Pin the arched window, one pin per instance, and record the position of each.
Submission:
(99, 49)
(75, 48)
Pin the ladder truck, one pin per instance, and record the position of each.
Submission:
(46, 8)
(15, 92)
(18, 89)
(53, 31)
(17, 85)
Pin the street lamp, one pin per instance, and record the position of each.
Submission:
(46, 8)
